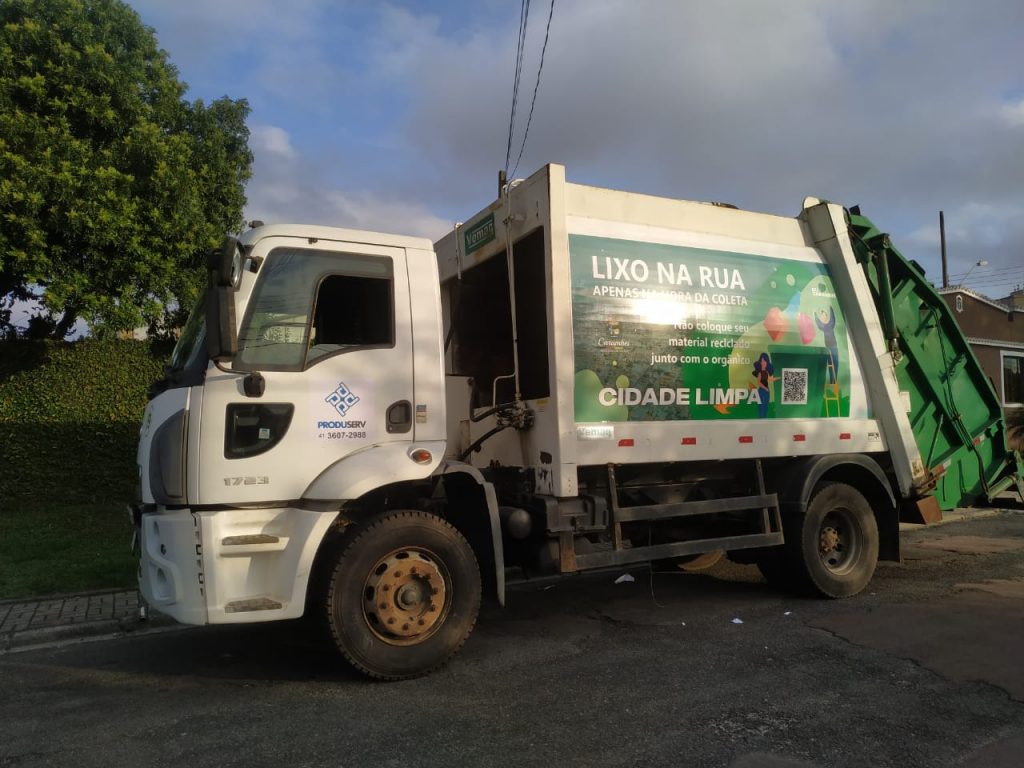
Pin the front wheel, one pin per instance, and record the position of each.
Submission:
(832, 549)
(403, 596)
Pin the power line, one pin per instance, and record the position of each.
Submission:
(524, 18)
(1006, 278)
(1000, 278)
(989, 266)
(1001, 285)
(1003, 276)
(536, 85)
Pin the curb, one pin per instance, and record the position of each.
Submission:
(64, 596)
(101, 629)
(60, 619)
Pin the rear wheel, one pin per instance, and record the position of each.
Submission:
(832, 549)
(403, 596)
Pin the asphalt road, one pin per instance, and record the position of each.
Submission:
(923, 669)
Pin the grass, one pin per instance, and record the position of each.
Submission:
(49, 549)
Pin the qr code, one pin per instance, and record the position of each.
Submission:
(794, 386)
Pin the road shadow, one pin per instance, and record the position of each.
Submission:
(559, 613)
(301, 650)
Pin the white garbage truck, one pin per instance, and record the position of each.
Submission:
(386, 431)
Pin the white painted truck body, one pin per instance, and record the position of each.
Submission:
(817, 236)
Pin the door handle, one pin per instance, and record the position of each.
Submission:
(399, 417)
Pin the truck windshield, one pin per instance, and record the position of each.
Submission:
(191, 344)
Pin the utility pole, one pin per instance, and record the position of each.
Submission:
(942, 240)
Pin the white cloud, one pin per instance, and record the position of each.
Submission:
(905, 108)
(892, 108)
(272, 140)
(1013, 113)
(289, 188)
(202, 31)
(371, 212)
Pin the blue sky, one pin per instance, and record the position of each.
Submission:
(394, 116)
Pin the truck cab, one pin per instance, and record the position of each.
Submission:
(309, 372)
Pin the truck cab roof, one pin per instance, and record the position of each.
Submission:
(314, 233)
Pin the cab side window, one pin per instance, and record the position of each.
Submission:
(309, 304)
(351, 311)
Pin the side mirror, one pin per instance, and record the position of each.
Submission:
(225, 264)
(225, 267)
(221, 336)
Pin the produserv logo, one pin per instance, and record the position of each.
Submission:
(342, 398)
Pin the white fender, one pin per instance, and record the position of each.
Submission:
(374, 467)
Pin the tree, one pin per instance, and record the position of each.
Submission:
(112, 185)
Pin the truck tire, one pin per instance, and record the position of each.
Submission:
(403, 596)
(832, 549)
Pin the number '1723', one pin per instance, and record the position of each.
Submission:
(251, 480)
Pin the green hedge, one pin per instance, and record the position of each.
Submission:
(69, 418)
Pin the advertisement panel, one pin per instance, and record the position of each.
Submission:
(667, 332)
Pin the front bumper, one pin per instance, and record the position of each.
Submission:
(229, 566)
(170, 565)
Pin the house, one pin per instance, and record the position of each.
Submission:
(995, 331)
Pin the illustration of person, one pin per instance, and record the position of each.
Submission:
(826, 323)
(763, 370)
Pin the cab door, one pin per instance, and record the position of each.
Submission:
(324, 369)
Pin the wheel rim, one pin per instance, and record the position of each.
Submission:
(405, 597)
(838, 541)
